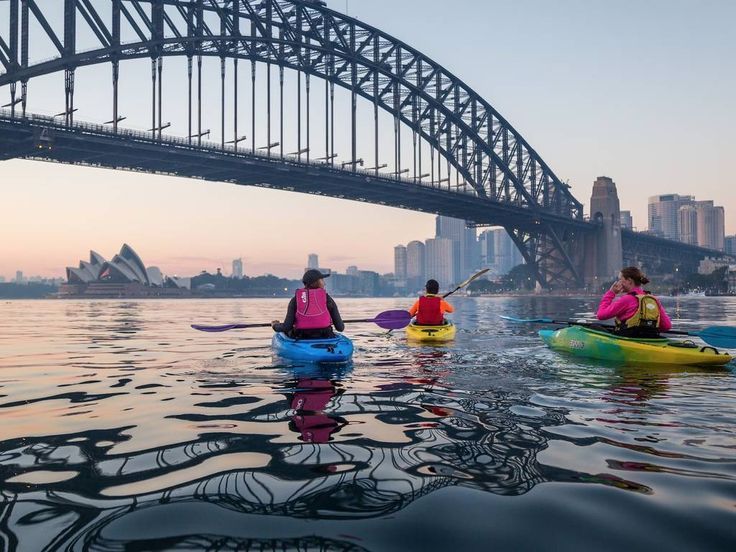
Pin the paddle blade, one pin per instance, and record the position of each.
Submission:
(213, 329)
(719, 336)
(393, 319)
(474, 277)
(528, 320)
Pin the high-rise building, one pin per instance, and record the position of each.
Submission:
(400, 262)
(352, 270)
(663, 214)
(487, 248)
(439, 260)
(688, 224)
(415, 274)
(627, 221)
(313, 261)
(507, 255)
(238, 268)
(711, 225)
(730, 245)
(466, 249)
(19, 277)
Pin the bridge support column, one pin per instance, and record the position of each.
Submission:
(603, 253)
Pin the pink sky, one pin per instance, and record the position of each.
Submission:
(650, 105)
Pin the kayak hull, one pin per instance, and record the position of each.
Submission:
(338, 349)
(431, 334)
(588, 343)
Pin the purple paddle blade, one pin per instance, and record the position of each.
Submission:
(393, 319)
(223, 328)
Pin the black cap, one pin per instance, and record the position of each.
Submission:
(312, 275)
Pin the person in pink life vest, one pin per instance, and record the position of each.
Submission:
(637, 312)
(430, 308)
(312, 312)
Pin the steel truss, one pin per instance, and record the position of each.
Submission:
(468, 134)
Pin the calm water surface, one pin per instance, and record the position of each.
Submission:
(123, 429)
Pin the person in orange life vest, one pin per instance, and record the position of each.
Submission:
(430, 308)
(637, 312)
(311, 312)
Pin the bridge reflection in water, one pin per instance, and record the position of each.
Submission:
(314, 450)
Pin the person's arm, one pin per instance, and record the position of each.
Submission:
(335, 315)
(414, 308)
(446, 307)
(610, 307)
(288, 324)
(665, 323)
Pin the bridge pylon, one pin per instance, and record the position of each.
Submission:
(603, 249)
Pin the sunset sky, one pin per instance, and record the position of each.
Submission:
(642, 92)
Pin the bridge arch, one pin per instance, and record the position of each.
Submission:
(464, 129)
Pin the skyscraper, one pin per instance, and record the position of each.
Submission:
(415, 264)
(507, 255)
(400, 262)
(627, 222)
(730, 243)
(466, 244)
(487, 248)
(237, 268)
(19, 277)
(438, 260)
(313, 261)
(711, 225)
(663, 213)
(688, 223)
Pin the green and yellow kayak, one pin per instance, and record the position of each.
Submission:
(431, 334)
(596, 344)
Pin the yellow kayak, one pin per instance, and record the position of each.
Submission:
(431, 334)
(589, 343)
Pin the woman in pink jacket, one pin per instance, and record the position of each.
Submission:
(637, 312)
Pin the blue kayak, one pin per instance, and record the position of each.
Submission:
(333, 349)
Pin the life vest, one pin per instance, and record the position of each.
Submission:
(311, 309)
(646, 318)
(430, 311)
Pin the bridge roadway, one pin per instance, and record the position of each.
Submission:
(44, 138)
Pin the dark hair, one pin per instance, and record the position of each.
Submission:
(432, 286)
(635, 274)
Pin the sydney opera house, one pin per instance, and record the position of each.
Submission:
(124, 275)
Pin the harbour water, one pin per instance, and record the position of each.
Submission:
(121, 428)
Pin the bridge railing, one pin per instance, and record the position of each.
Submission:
(214, 147)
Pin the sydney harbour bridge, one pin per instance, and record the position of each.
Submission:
(306, 99)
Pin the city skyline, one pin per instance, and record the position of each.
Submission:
(191, 225)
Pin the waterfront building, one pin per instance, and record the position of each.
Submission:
(507, 255)
(123, 276)
(352, 270)
(711, 225)
(466, 244)
(312, 261)
(400, 261)
(663, 214)
(688, 224)
(415, 274)
(439, 260)
(18, 276)
(486, 244)
(627, 221)
(730, 245)
(238, 268)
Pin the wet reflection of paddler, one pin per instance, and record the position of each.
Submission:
(311, 398)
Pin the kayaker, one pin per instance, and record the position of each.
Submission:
(430, 308)
(637, 312)
(312, 312)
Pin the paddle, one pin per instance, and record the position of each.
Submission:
(718, 336)
(466, 282)
(389, 320)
